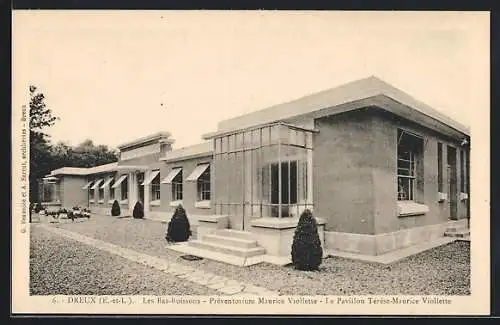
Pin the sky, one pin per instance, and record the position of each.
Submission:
(115, 76)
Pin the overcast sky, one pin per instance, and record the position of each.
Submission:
(116, 76)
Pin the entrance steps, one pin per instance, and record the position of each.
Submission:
(459, 232)
(225, 245)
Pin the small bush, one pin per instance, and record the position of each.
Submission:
(306, 248)
(138, 212)
(178, 229)
(115, 209)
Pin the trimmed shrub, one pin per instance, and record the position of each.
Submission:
(307, 253)
(178, 229)
(115, 209)
(138, 212)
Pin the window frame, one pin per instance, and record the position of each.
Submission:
(202, 183)
(112, 191)
(177, 186)
(124, 193)
(411, 161)
(155, 190)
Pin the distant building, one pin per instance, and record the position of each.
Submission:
(379, 169)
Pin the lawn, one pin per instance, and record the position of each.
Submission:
(443, 270)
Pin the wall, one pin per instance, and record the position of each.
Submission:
(385, 128)
(355, 168)
(342, 172)
(71, 192)
(189, 188)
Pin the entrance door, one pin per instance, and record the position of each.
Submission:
(452, 181)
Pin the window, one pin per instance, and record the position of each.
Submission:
(288, 183)
(463, 171)
(112, 189)
(203, 185)
(91, 193)
(155, 188)
(440, 167)
(177, 187)
(409, 157)
(101, 194)
(124, 189)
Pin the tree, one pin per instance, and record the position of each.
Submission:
(86, 154)
(179, 228)
(40, 158)
(307, 253)
(40, 116)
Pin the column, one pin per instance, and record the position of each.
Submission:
(132, 192)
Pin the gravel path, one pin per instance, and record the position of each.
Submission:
(66, 267)
(444, 270)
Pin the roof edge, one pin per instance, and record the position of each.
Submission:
(159, 136)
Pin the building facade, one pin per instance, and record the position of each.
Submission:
(379, 169)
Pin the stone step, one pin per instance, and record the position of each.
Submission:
(185, 248)
(230, 241)
(230, 250)
(235, 234)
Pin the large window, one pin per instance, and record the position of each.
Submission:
(264, 171)
(155, 188)
(409, 164)
(124, 189)
(203, 185)
(177, 187)
(101, 193)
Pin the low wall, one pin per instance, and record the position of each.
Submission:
(384, 243)
(276, 235)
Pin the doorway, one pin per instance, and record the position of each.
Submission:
(452, 181)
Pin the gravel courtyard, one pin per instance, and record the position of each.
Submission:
(65, 267)
(441, 271)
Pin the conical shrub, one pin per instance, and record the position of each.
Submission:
(178, 229)
(115, 209)
(307, 252)
(138, 212)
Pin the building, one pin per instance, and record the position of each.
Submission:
(379, 169)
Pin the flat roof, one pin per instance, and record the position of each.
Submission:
(85, 171)
(198, 150)
(159, 136)
(368, 91)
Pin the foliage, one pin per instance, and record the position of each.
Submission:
(115, 209)
(40, 116)
(307, 252)
(45, 157)
(179, 228)
(138, 212)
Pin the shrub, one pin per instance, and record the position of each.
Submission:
(138, 212)
(115, 209)
(306, 248)
(178, 229)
